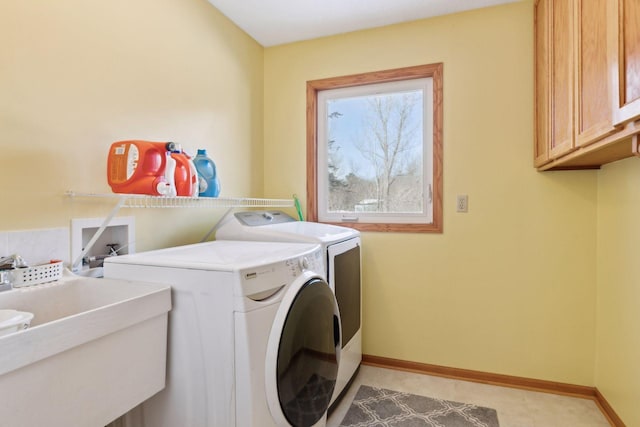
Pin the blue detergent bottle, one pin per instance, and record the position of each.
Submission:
(207, 175)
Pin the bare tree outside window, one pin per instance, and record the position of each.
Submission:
(382, 144)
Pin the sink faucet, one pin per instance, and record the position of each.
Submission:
(5, 280)
(7, 264)
(12, 261)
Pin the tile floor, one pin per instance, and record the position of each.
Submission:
(516, 408)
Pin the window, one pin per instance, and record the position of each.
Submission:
(374, 150)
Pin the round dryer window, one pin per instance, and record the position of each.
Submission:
(308, 354)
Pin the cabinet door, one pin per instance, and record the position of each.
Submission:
(542, 106)
(625, 21)
(562, 72)
(593, 87)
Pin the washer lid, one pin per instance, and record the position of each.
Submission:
(290, 231)
(218, 255)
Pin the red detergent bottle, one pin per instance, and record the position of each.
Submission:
(186, 177)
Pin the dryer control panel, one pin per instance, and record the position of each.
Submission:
(257, 218)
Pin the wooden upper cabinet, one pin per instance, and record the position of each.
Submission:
(625, 51)
(587, 82)
(542, 106)
(593, 90)
(562, 77)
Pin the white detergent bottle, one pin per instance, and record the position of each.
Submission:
(194, 178)
(169, 175)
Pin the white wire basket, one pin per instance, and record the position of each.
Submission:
(37, 274)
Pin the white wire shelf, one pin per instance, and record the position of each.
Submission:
(146, 201)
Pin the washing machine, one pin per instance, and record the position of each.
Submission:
(254, 334)
(342, 265)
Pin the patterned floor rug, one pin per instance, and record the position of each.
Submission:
(378, 407)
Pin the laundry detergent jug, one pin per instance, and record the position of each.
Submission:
(154, 168)
(138, 167)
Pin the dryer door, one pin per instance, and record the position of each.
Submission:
(301, 372)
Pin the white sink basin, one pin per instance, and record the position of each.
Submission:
(13, 321)
(95, 349)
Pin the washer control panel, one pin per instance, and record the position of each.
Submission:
(262, 281)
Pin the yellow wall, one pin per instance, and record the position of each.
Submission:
(508, 287)
(77, 75)
(618, 313)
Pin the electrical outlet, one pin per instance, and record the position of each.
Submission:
(462, 203)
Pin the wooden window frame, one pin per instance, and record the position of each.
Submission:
(433, 71)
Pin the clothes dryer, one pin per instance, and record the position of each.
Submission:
(342, 266)
(254, 336)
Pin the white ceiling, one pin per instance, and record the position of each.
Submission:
(274, 22)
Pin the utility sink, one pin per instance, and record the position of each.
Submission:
(95, 349)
